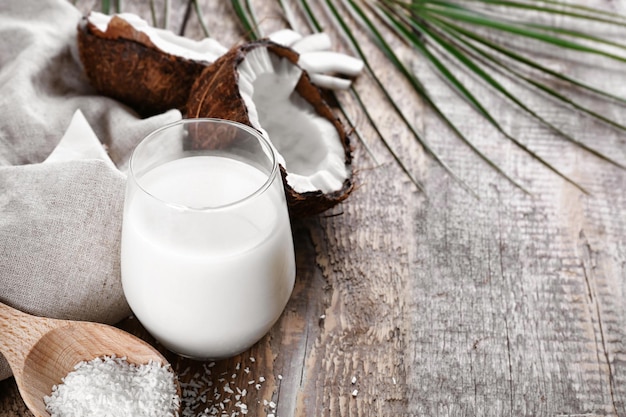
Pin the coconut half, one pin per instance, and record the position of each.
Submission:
(261, 85)
(149, 69)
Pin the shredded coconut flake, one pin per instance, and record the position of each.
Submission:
(111, 386)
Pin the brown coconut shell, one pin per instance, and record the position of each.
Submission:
(122, 63)
(215, 93)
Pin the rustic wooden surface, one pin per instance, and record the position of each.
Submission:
(445, 304)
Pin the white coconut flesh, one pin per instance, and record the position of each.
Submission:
(308, 145)
(207, 49)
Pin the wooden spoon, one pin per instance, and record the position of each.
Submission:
(41, 351)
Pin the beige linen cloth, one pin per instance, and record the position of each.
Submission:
(60, 204)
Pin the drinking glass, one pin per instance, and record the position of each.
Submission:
(207, 254)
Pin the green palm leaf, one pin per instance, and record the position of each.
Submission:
(549, 91)
(533, 31)
(564, 9)
(416, 22)
(528, 62)
(247, 18)
(462, 56)
(435, 28)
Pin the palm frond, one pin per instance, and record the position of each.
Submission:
(359, 136)
(247, 18)
(529, 62)
(105, 7)
(166, 13)
(200, 16)
(543, 33)
(556, 8)
(288, 13)
(417, 85)
(153, 14)
(498, 65)
(469, 61)
(428, 30)
(417, 42)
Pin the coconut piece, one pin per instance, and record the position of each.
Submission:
(149, 69)
(318, 61)
(312, 43)
(260, 84)
(329, 61)
(285, 37)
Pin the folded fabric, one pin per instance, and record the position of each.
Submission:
(79, 142)
(60, 219)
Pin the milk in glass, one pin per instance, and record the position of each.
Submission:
(207, 254)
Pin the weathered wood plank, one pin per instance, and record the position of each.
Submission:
(507, 305)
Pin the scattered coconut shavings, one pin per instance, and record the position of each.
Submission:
(111, 386)
(224, 393)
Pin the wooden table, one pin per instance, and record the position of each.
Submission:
(441, 303)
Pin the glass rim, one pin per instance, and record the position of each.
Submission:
(271, 176)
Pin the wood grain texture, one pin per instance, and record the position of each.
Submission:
(440, 303)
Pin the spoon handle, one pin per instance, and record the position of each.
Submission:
(18, 334)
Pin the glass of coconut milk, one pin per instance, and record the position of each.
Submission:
(207, 254)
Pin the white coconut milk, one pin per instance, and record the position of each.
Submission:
(207, 282)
